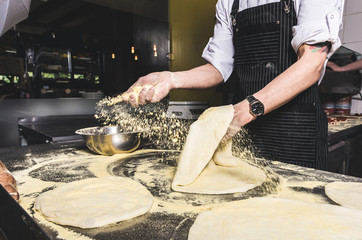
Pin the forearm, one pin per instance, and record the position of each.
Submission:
(357, 65)
(297, 78)
(204, 76)
(300, 76)
(155, 86)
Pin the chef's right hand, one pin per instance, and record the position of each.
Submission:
(8, 181)
(150, 88)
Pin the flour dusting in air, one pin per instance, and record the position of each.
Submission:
(170, 133)
(151, 120)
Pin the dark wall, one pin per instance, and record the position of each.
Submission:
(142, 34)
(81, 26)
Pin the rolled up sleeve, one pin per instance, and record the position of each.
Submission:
(318, 21)
(220, 50)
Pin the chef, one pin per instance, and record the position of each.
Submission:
(278, 50)
(11, 13)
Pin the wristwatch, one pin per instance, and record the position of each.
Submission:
(256, 107)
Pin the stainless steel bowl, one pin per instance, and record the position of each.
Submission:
(109, 140)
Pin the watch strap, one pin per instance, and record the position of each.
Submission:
(251, 99)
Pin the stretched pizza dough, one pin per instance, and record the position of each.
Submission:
(347, 194)
(268, 218)
(95, 202)
(206, 166)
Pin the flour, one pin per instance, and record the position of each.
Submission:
(154, 169)
(30, 188)
(151, 120)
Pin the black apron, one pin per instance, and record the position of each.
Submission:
(296, 132)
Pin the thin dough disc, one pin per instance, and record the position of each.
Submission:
(95, 202)
(209, 168)
(268, 218)
(347, 194)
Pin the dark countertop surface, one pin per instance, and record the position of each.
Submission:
(39, 168)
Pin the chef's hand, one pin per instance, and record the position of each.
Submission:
(8, 181)
(242, 117)
(334, 66)
(150, 88)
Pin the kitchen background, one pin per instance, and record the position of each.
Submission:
(351, 37)
(74, 52)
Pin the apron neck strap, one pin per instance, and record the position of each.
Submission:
(234, 9)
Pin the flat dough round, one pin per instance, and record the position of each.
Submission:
(276, 218)
(95, 202)
(347, 194)
(207, 167)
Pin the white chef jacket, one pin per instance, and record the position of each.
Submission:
(318, 21)
(12, 12)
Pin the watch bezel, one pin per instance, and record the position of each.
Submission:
(256, 108)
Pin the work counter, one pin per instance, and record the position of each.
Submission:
(344, 137)
(39, 168)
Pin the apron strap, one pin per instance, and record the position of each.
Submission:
(234, 10)
(286, 6)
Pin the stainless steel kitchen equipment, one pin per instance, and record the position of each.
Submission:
(53, 129)
(110, 140)
(186, 110)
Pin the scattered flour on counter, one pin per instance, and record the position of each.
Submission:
(29, 189)
(170, 133)
(149, 174)
(303, 191)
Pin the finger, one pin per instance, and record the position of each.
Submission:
(6, 178)
(150, 94)
(2, 167)
(12, 191)
(142, 96)
(160, 93)
(133, 100)
(125, 97)
(232, 130)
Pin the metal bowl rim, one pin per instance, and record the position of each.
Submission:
(80, 131)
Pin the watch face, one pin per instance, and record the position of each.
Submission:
(257, 108)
